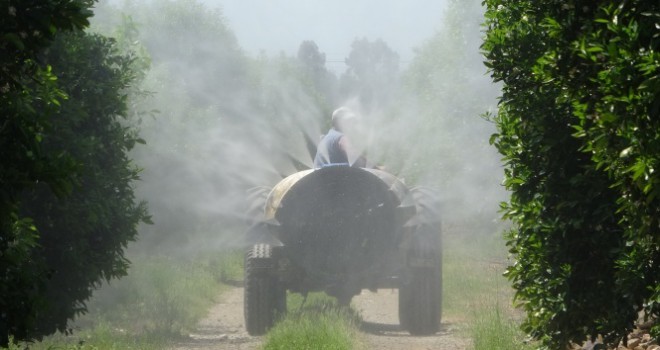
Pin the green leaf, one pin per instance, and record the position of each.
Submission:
(15, 40)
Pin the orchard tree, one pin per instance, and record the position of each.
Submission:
(579, 128)
(83, 235)
(66, 205)
(28, 99)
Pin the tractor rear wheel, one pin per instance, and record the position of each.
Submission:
(264, 296)
(420, 292)
(420, 301)
(420, 295)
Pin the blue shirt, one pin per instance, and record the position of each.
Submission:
(329, 151)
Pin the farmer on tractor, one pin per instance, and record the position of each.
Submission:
(342, 229)
(335, 147)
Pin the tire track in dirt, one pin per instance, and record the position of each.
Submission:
(223, 328)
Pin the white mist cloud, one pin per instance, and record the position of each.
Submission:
(230, 119)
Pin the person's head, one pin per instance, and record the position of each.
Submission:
(342, 117)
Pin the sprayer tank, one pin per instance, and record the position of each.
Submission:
(338, 219)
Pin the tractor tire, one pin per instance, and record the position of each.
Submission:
(264, 297)
(420, 301)
(420, 292)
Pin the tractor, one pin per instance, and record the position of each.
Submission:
(342, 229)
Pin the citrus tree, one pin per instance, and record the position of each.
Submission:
(82, 236)
(67, 208)
(28, 97)
(578, 127)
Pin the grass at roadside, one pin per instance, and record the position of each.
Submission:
(472, 275)
(493, 328)
(319, 324)
(475, 292)
(161, 299)
(101, 337)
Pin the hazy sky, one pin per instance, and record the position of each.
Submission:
(275, 26)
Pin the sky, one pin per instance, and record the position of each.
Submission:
(276, 26)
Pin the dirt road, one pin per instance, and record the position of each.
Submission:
(380, 312)
(223, 328)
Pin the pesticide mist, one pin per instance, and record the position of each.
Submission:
(218, 121)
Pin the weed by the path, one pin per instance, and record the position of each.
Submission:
(476, 293)
(160, 299)
(160, 296)
(100, 337)
(493, 328)
(319, 324)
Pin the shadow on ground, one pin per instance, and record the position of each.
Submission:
(395, 330)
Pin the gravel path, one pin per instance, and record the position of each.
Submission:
(223, 328)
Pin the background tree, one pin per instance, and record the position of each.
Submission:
(311, 58)
(430, 133)
(445, 80)
(225, 123)
(323, 81)
(198, 78)
(372, 73)
(579, 130)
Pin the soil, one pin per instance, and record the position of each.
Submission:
(223, 328)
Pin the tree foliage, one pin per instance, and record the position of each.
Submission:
(311, 57)
(429, 131)
(83, 235)
(579, 128)
(372, 73)
(318, 78)
(66, 206)
(199, 78)
(446, 80)
(28, 97)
